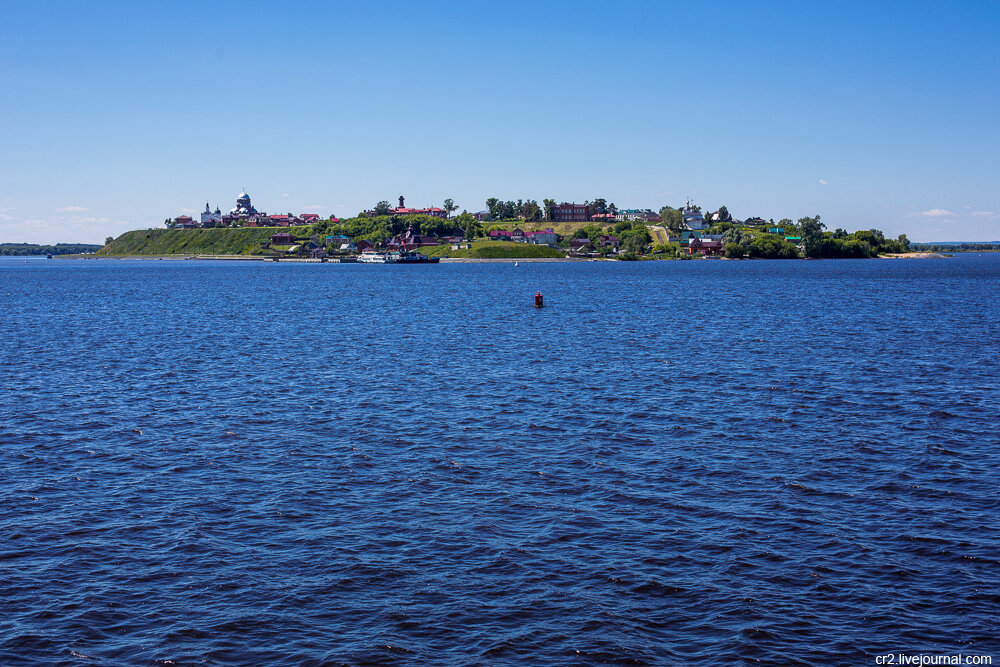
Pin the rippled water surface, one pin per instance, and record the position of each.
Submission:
(672, 463)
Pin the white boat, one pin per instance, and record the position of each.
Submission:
(371, 257)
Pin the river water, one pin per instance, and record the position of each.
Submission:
(693, 463)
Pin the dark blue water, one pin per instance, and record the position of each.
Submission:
(693, 463)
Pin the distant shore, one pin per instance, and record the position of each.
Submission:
(911, 255)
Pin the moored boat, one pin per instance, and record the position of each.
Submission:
(372, 257)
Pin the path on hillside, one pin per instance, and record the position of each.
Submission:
(659, 234)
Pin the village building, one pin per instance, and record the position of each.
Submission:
(693, 218)
(634, 214)
(244, 214)
(402, 210)
(581, 246)
(543, 237)
(210, 218)
(609, 241)
(411, 240)
(566, 212)
(707, 248)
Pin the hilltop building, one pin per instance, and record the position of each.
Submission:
(634, 214)
(566, 212)
(403, 210)
(693, 217)
(211, 218)
(244, 214)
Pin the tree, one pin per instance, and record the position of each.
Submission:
(469, 225)
(733, 250)
(598, 206)
(450, 206)
(109, 240)
(382, 208)
(673, 219)
(903, 242)
(724, 214)
(549, 204)
(531, 211)
(169, 222)
(811, 231)
(612, 209)
(493, 206)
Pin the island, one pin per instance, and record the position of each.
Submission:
(511, 230)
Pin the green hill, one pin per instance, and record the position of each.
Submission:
(239, 241)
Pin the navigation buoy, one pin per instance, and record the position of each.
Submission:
(539, 303)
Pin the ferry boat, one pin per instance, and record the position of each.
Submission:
(372, 257)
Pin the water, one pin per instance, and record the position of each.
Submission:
(691, 463)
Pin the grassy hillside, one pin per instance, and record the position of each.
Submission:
(240, 241)
(495, 250)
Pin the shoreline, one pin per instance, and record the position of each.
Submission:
(912, 255)
(444, 260)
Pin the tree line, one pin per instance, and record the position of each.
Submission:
(26, 249)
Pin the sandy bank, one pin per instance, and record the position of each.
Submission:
(909, 255)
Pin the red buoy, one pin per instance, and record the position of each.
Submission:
(538, 300)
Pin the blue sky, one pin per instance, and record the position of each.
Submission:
(118, 115)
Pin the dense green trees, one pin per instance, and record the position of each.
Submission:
(811, 231)
(772, 246)
(528, 210)
(382, 208)
(549, 204)
(26, 249)
(381, 227)
(673, 219)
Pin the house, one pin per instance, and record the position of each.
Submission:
(340, 243)
(608, 241)
(753, 222)
(279, 220)
(700, 247)
(634, 214)
(776, 230)
(309, 217)
(186, 222)
(411, 240)
(566, 212)
(580, 246)
(500, 235)
(363, 245)
(604, 218)
(545, 237)
(517, 235)
(282, 238)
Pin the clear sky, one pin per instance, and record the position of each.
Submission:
(116, 115)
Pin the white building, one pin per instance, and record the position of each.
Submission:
(634, 214)
(693, 217)
(210, 219)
